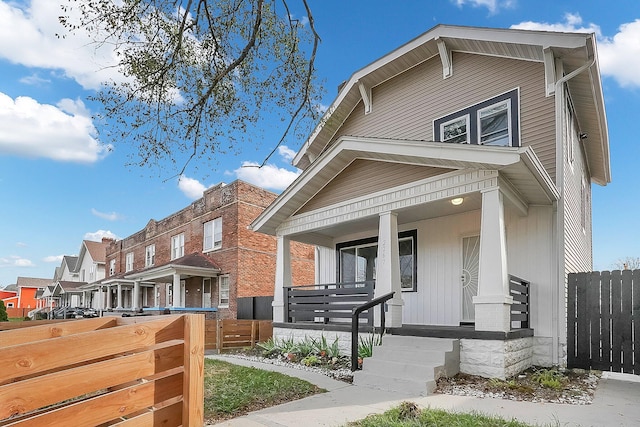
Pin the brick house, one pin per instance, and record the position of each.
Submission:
(203, 256)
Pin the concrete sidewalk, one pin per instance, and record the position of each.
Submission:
(616, 403)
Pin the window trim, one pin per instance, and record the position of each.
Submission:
(413, 234)
(174, 254)
(467, 120)
(147, 250)
(512, 98)
(479, 112)
(215, 245)
(128, 261)
(224, 280)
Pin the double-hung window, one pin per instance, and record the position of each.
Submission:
(491, 122)
(177, 246)
(129, 262)
(212, 235)
(150, 255)
(223, 300)
(112, 267)
(357, 260)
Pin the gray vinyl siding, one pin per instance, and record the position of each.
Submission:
(364, 177)
(577, 240)
(404, 107)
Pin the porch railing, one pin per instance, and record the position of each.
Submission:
(327, 302)
(519, 289)
(355, 323)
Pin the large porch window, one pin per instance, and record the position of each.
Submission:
(357, 260)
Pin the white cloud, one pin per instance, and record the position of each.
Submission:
(36, 22)
(491, 5)
(109, 216)
(53, 258)
(97, 236)
(269, 176)
(64, 132)
(287, 153)
(15, 261)
(192, 188)
(572, 24)
(21, 244)
(619, 56)
(34, 80)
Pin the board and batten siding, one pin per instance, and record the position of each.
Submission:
(438, 300)
(364, 177)
(405, 106)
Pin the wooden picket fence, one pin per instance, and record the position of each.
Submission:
(232, 333)
(104, 371)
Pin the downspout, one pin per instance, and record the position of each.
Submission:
(556, 296)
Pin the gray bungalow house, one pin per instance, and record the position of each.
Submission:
(455, 172)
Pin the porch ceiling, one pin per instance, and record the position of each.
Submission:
(518, 166)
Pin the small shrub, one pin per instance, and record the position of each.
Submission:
(549, 378)
(304, 348)
(310, 360)
(366, 344)
(269, 348)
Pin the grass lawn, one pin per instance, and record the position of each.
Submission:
(231, 390)
(409, 415)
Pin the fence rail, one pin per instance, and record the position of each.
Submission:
(327, 302)
(104, 371)
(603, 321)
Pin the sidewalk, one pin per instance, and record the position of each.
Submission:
(616, 403)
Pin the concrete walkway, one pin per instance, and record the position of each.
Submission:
(616, 403)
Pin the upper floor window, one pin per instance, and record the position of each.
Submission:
(491, 122)
(357, 260)
(177, 246)
(129, 262)
(213, 234)
(112, 267)
(92, 273)
(150, 255)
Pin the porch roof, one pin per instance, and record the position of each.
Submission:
(519, 166)
(195, 264)
(572, 49)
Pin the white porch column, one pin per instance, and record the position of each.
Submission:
(283, 277)
(176, 291)
(119, 306)
(493, 303)
(135, 304)
(388, 270)
(108, 295)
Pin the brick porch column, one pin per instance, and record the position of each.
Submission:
(493, 303)
(388, 270)
(283, 277)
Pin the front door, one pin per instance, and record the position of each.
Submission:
(469, 276)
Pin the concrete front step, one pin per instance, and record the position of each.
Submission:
(409, 364)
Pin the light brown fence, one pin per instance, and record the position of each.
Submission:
(105, 371)
(231, 333)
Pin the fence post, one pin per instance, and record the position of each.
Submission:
(220, 332)
(193, 379)
(253, 333)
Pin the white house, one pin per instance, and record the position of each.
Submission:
(447, 170)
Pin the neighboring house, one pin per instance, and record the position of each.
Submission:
(443, 168)
(27, 289)
(9, 295)
(75, 273)
(67, 270)
(203, 256)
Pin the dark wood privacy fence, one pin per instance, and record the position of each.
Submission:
(603, 317)
(327, 302)
(519, 289)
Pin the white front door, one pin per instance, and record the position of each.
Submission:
(469, 276)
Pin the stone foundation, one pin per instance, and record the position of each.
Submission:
(496, 358)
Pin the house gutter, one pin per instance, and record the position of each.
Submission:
(558, 297)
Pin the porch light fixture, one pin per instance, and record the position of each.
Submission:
(457, 201)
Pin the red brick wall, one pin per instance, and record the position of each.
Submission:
(247, 257)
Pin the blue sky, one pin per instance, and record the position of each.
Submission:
(60, 184)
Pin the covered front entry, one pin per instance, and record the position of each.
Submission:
(458, 203)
